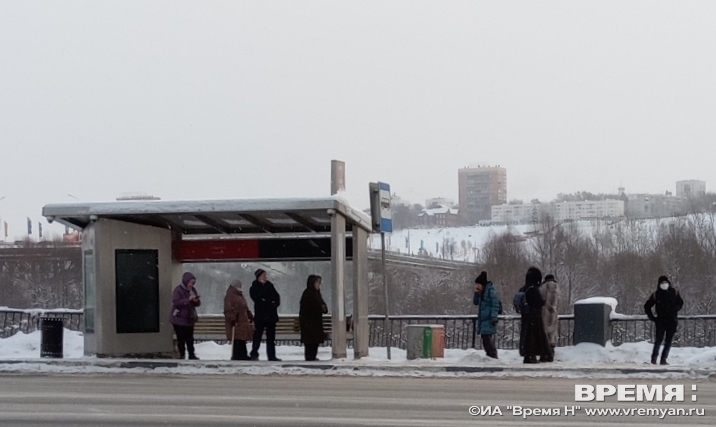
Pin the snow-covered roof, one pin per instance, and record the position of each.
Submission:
(241, 216)
(441, 209)
(599, 300)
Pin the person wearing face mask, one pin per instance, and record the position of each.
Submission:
(668, 302)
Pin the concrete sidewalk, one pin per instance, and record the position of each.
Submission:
(344, 367)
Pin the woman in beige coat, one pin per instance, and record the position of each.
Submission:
(550, 293)
(239, 328)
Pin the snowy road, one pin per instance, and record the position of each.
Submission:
(135, 400)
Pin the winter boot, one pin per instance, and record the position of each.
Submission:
(653, 360)
(663, 362)
(530, 359)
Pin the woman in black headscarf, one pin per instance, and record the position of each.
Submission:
(533, 339)
(310, 316)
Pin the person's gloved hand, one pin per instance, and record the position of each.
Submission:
(495, 320)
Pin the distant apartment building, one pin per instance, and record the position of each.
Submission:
(481, 188)
(520, 213)
(690, 188)
(654, 205)
(560, 211)
(437, 201)
(589, 209)
(440, 216)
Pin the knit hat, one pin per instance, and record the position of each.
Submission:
(187, 277)
(236, 284)
(259, 272)
(549, 277)
(663, 279)
(482, 278)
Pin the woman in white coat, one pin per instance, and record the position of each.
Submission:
(550, 293)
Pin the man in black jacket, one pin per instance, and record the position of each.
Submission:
(668, 303)
(266, 301)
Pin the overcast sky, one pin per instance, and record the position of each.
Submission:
(204, 100)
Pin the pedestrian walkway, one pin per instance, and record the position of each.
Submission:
(345, 367)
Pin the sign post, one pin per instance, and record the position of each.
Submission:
(382, 222)
(338, 176)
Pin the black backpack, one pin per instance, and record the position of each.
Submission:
(520, 302)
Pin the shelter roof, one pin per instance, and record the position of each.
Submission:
(217, 217)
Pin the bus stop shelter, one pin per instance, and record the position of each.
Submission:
(133, 252)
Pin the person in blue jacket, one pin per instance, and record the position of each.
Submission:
(486, 298)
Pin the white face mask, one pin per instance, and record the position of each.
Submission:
(664, 286)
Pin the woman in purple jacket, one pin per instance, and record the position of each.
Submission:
(185, 299)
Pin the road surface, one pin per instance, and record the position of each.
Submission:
(224, 400)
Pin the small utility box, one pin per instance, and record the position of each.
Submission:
(426, 341)
(591, 320)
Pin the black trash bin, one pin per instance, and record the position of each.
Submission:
(52, 331)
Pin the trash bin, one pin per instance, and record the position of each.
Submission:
(425, 341)
(591, 322)
(51, 344)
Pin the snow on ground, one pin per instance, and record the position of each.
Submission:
(27, 347)
(467, 240)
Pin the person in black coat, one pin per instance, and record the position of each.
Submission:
(668, 302)
(266, 302)
(533, 338)
(310, 316)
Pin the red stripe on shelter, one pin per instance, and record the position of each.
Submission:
(214, 250)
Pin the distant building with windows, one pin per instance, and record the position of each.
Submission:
(481, 188)
(654, 205)
(440, 216)
(521, 213)
(587, 209)
(690, 188)
(561, 211)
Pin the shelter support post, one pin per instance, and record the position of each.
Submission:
(338, 260)
(360, 293)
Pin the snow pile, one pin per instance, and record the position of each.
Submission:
(27, 346)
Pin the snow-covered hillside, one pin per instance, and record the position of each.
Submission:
(466, 242)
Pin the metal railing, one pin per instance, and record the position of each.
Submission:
(460, 333)
(693, 331)
(26, 321)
